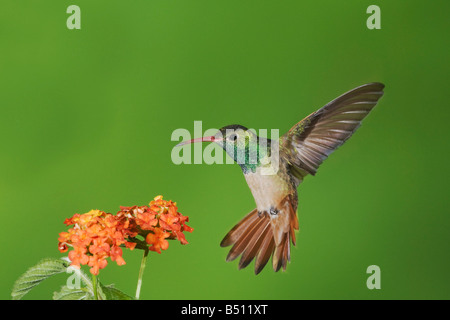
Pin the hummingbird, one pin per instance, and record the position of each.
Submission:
(269, 229)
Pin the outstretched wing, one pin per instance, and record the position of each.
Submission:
(308, 143)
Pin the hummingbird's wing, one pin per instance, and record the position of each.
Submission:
(308, 143)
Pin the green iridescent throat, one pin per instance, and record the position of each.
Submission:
(249, 154)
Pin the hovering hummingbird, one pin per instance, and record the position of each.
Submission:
(269, 229)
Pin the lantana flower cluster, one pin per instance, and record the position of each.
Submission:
(97, 235)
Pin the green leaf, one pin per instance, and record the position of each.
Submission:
(67, 293)
(36, 274)
(51, 266)
(75, 287)
(112, 293)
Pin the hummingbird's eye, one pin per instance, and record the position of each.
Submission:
(233, 137)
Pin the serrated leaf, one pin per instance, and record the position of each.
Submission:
(36, 274)
(67, 293)
(112, 293)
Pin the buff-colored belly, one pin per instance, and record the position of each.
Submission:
(268, 190)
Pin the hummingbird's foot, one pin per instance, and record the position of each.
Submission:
(274, 211)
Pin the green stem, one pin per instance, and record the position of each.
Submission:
(141, 273)
(94, 286)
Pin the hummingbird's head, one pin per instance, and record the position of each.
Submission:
(236, 140)
(231, 136)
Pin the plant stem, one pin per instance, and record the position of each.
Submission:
(94, 286)
(141, 273)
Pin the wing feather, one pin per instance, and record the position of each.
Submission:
(308, 143)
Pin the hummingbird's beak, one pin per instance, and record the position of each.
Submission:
(202, 139)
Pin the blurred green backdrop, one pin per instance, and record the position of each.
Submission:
(87, 116)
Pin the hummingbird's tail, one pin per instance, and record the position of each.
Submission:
(253, 237)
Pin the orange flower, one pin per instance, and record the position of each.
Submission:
(78, 256)
(96, 263)
(97, 235)
(169, 222)
(62, 247)
(145, 218)
(157, 240)
(116, 255)
(170, 219)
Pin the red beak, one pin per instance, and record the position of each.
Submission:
(203, 139)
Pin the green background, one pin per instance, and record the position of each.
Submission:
(87, 116)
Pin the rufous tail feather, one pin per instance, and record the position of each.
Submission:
(253, 238)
